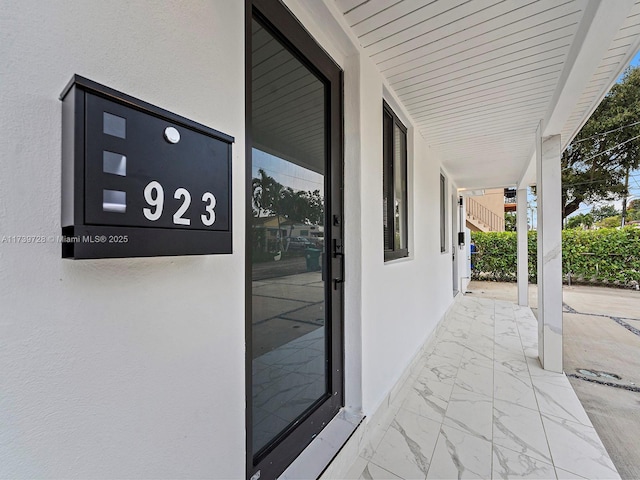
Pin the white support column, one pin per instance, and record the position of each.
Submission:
(549, 253)
(523, 254)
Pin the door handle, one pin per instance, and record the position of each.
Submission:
(337, 248)
(338, 253)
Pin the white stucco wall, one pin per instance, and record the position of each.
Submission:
(135, 368)
(404, 299)
(394, 306)
(116, 368)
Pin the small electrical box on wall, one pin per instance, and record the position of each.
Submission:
(139, 181)
(462, 222)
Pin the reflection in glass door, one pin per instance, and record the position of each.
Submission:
(295, 269)
(288, 185)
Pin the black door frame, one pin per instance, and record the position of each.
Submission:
(281, 23)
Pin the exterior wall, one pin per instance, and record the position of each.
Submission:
(493, 200)
(124, 368)
(135, 367)
(401, 300)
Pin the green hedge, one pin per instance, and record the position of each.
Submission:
(607, 256)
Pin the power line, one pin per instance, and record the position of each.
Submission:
(569, 184)
(589, 208)
(604, 133)
(612, 148)
(634, 176)
(606, 151)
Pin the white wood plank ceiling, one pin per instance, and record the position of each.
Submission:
(287, 104)
(477, 76)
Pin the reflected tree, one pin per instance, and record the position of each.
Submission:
(271, 198)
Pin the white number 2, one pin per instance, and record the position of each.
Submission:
(209, 219)
(156, 200)
(177, 217)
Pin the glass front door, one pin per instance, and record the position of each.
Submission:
(294, 239)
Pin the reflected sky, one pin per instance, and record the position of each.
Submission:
(286, 173)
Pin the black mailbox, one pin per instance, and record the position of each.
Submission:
(139, 181)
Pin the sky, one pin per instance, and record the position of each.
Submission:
(287, 173)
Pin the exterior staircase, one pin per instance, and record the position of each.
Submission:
(480, 218)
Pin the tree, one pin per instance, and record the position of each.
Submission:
(510, 221)
(633, 210)
(605, 211)
(610, 222)
(582, 220)
(272, 198)
(266, 193)
(597, 163)
(302, 207)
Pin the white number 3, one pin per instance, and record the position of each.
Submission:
(210, 218)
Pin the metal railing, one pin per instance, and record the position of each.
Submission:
(479, 212)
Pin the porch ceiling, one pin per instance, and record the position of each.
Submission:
(477, 77)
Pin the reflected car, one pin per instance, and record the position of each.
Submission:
(298, 243)
(317, 241)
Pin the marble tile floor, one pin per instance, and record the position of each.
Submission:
(288, 370)
(286, 381)
(481, 406)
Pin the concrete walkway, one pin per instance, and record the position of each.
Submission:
(480, 406)
(601, 358)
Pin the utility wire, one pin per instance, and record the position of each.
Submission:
(606, 151)
(591, 181)
(604, 133)
(612, 148)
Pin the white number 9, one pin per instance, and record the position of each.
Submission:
(155, 200)
(210, 218)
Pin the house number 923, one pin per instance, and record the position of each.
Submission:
(154, 196)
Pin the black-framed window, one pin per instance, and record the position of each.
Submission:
(394, 200)
(443, 214)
